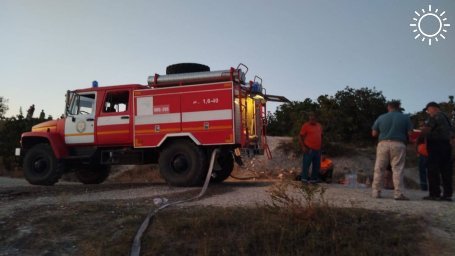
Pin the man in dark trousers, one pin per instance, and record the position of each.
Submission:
(310, 140)
(438, 131)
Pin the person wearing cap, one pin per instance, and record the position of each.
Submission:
(392, 130)
(438, 134)
(310, 140)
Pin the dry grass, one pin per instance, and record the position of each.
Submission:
(292, 231)
(298, 222)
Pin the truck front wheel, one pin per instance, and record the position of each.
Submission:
(93, 174)
(41, 167)
(182, 163)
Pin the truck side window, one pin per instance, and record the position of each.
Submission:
(84, 104)
(116, 102)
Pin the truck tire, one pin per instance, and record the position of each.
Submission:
(223, 167)
(186, 68)
(41, 167)
(182, 163)
(93, 174)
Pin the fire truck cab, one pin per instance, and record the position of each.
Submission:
(176, 120)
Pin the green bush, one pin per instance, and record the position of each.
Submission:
(346, 117)
(11, 130)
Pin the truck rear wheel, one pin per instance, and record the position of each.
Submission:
(182, 163)
(223, 167)
(41, 167)
(93, 174)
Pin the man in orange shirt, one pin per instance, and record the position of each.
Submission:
(310, 140)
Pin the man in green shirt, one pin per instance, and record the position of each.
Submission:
(392, 130)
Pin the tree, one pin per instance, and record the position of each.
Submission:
(10, 134)
(453, 110)
(288, 117)
(3, 107)
(42, 115)
(30, 112)
(20, 116)
(449, 109)
(346, 117)
(356, 110)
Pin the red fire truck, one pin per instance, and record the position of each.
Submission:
(176, 120)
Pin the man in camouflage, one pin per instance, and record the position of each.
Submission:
(439, 133)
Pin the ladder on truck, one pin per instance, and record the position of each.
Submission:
(264, 131)
(243, 105)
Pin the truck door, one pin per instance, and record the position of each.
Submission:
(80, 121)
(113, 126)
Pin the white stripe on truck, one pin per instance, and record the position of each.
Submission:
(112, 120)
(158, 119)
(197, 116)
(211, 115)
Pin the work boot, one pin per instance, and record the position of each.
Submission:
(401, 198)
(376, 194)
(446, 198)
(432, 198)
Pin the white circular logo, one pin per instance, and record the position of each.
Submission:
(80, 126)
(434, 33)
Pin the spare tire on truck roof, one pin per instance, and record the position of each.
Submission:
(186, 68)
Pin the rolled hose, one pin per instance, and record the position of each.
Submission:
(136, 247)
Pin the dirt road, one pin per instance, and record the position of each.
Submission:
(18, 194)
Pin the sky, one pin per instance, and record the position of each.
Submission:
(301, 49)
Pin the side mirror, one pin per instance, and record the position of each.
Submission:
(67, 102)
(72, 99)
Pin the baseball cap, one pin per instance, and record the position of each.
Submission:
(432, 104)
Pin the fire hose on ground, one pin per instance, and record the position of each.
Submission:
(136, 247)
(245, 178)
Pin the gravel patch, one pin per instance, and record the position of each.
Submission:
(6, 182)
(7, 207)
